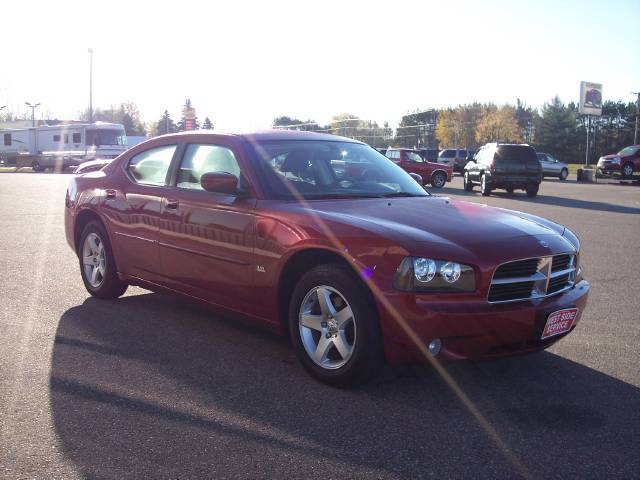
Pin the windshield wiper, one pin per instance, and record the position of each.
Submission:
(343, 195)
(401, 194)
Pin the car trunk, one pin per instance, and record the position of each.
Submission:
(516, 160)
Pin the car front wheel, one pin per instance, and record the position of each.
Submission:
(334, 327)
(438, 179)
(97, 264)
(564, 173)
(468, 186)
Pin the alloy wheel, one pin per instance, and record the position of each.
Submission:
(327, 327)
(93, 260)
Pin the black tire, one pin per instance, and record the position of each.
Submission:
(484, 187)
(468, 186)
(532, 190)
(36, 167)
(564, 173)
(509, 189)
(627, 170)
(366, 355)
(438, 179)
(110, 286)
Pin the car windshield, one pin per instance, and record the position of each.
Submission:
(326, 169)
(627, 151)
(106, 137)
(447, 154)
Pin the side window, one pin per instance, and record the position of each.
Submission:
(7, 139)
(201, 159)
(151, 166)
(56, 138)
(77, 138)
(414, 157)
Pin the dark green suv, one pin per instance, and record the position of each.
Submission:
(504, 165)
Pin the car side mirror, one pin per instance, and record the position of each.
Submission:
(219, 182)
(416, 177)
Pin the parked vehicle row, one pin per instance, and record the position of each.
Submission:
(323, 239)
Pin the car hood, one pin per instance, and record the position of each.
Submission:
(444, 224)
(610, 157)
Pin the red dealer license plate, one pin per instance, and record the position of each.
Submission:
(559, 322)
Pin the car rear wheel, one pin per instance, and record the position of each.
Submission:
(532, 190)
(484, 187)
(564, 173)
(627, 170)
(509, 189)
(438, 179)
(36, 167)
(334, 326)
(97, 264)
(468, 186)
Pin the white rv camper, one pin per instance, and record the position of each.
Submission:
(61, 146)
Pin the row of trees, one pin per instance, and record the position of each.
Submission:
(557, 128)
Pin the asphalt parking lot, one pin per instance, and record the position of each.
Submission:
(149, 387)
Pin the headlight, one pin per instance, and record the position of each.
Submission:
(428, 275)
(616, 160)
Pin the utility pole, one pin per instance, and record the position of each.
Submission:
(91, 85)
(635, 133)
(33, 114)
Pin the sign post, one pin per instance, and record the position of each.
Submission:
(590, 104)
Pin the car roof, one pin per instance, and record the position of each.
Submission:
(269, 135)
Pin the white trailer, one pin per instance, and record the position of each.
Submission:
(61, 146)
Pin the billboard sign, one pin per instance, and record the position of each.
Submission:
(189, 113)
(590, 98)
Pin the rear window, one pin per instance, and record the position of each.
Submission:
(462, 153)
(515, 154)
(447, 153)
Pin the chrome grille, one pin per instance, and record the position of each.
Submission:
(532, 278)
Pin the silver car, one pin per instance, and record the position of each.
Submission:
(552, 167)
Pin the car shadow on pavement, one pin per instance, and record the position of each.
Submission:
(149, 387)
(543, 199)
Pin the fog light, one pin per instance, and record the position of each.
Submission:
(434, 346)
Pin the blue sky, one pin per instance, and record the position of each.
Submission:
(244, 63)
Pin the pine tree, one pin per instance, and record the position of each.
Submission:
(556, 131)
(207, 125)
(165, 124)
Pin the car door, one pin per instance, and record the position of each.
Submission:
(546, 163)
(474, 167)
(408, 162)
(206, 238)
(133, 211)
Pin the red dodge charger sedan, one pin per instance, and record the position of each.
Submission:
(356, 265)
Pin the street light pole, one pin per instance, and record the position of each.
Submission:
(91, 85)
(33, 112)
(635, 133)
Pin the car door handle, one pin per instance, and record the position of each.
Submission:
(172, 204)
(110, 194)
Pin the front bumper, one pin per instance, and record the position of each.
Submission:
(608, 167)
(475, 329)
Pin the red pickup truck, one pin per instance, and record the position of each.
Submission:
(437, 174)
